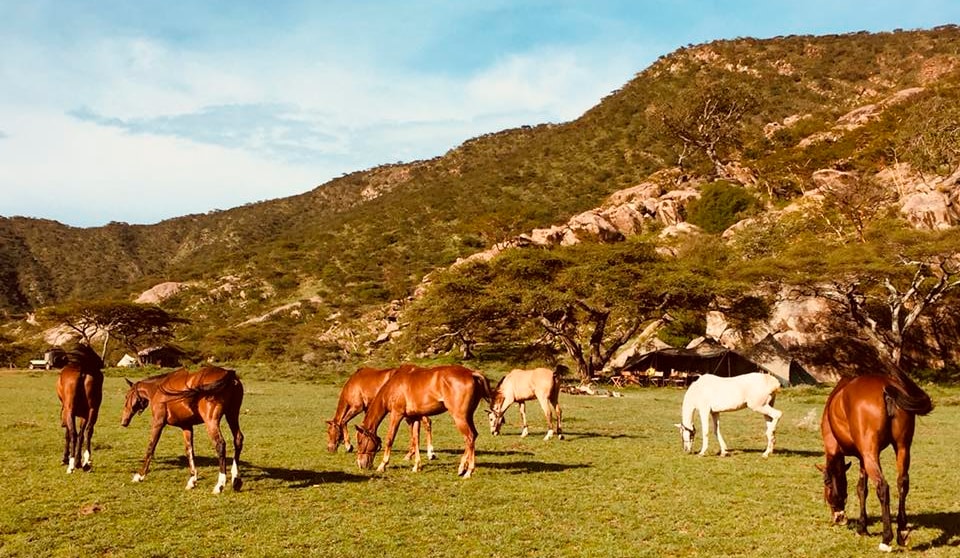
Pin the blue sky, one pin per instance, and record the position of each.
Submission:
(139, 111)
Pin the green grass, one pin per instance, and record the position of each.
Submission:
(619, 485)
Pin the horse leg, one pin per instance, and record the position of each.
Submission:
(547, 414)
(233, 421)
(347, 417)
(188, 451)
(715, 418)
(155, 431)
(903, 487)
(862, 498)
(705, 420)
(428, 427)
(88, 439)
(468, 459)
(871, 466)
(772, 416)
(69, 457)
(522, 408)
(414, 443)
(388, 440)
(220, 445)
(559, 413)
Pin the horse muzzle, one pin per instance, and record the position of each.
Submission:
(364, 460)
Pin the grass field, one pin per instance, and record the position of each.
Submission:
(619, 485)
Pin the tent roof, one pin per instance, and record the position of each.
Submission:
(717, 361)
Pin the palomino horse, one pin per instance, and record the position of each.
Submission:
(711, 395)
(862, 416)
(80, 389)
(355, 397)
(414, 393)
(185, 399)
(523, 385)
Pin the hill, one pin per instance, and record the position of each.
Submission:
(310, 275)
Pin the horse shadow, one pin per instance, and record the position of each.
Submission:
(522, 467)
(781, 452)
(948, 523)
(294, 478)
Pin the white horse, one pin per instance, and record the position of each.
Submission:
(523, 385)
(712, 395)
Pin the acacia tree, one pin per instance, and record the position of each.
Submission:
(134, 325)
(708, 122)
(590, 299)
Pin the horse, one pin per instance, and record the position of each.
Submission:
(711, 395)
(414, 393)
(80, 390)
(523, 385)
(355, 397)
(862, 416)
(184, 399)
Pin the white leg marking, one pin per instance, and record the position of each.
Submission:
(885, 548)
(221, 482)
(86, 458)
(234, 471)
(549, 435)
(71, 465)
(137, 477)
(524, 432)
(430, 454)
(192, 482)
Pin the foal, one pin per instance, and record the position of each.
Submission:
(862, 416)
(80, 390)
(355, 396)
(523, 385)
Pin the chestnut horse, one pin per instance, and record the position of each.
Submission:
(862, 416)
(185, 399)
(414, 393)
(523, 385)
(80, 389)
(355, 397)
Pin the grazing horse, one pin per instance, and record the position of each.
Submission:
(185, 399)
(523, 385)
(355, 396)
(711, 395)
(414, 393)
(80, 389)
(862, 416)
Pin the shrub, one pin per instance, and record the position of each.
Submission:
(721, 204)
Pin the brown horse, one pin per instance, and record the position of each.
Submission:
(862, 416)
(415, 393)
(80, 389)
(355, 396)
(523, 385)
(185, 399)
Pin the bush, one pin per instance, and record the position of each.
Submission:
(721, 204)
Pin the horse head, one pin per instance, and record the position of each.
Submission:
(334, 434)
(835, 488)
(496, 421)
(368, 444)
(134, 404)
(686, 436)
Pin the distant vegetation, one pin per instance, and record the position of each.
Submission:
(341, 252)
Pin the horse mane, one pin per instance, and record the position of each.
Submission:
(907, 395)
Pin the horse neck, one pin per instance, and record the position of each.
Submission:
(376, 411)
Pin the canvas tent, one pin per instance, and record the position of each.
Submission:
(774, 357)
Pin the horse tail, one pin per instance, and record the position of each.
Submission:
(906, 395)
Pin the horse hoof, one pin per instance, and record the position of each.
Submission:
(137, 477)
(348, 449)
(884, 547)
(559, 436)
(217, 489)
(87, 467)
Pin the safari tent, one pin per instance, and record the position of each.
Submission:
(710, 357)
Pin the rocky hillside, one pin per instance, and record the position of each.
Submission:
(314, 276)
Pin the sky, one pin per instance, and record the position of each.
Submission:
(140, 111)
